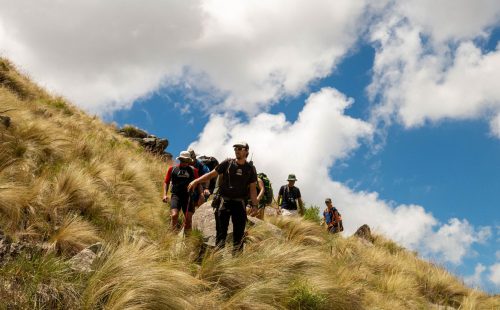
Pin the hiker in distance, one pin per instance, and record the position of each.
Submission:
(202, 170)
(181, 199)
(288, 198)
(238, 177)
(332, 217)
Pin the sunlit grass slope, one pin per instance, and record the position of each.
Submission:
(67, 181)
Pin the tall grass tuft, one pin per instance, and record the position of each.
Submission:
(72, 191)
(73, 236)
(14, 201)
(135, 275)
(299, 231)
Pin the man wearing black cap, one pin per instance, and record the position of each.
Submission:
(238, 177)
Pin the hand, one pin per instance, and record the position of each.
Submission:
(165, 199)
(192, 185)
(206, 192)
(255, 211)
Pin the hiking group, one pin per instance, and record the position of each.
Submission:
(237, 189)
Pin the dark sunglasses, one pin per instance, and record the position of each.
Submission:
(239, 148)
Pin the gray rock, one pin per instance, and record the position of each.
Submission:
(204, 221)
(5, 120)
(82, 262)
(253, 221)
(364, 232)
(154, 145)
(270, 211)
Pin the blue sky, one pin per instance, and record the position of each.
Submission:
(391, 108)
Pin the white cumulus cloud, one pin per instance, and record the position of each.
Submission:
(451, 19)
(105, 54)
(429, 68)
(494, 275)
(453, 240)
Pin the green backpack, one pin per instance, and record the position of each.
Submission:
(268, 189)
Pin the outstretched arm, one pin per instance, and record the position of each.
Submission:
(204, 178)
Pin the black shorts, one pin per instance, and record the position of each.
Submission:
(181, 203)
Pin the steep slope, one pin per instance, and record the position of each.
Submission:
(67, 181)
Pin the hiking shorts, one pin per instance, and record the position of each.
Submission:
(181, 203)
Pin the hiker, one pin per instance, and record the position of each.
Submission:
(288, 197)
(238, 177)
(332, 217)
(210, 162)
(264, 196)
(202, 170)
(181, 200)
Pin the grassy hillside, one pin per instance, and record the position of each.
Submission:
(67, 181)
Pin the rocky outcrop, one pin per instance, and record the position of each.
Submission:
(153, 144)
(149, 142)
(10, 249)
(364, 233)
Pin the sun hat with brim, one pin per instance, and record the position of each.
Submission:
(291, 177)
(184, 156)
(241, 144)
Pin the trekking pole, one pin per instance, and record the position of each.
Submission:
(183, 229)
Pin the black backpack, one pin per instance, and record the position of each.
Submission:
(211, 162)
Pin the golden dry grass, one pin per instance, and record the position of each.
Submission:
(134, 274)
(68, 180)
(73, 235)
